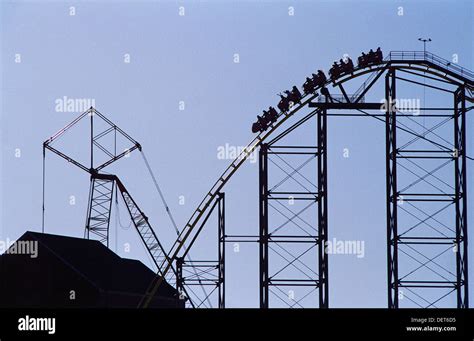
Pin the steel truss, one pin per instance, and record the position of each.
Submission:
(401, 287)
(102, 188)
(461, 197)
(288, 244)
(410, 213)
(206, 273)
(391, 191)
(108, 144)
(99, 208)
(426, 237)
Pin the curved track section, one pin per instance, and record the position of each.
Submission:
(425, 62)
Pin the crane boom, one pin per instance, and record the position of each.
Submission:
(142, 225)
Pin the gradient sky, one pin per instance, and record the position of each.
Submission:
(190, 58)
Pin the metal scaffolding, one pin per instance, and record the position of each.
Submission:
(206, 273)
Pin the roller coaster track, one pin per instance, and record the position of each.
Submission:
(424, 62)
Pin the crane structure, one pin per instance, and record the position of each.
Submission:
(426, 188)
(102, 185)
(107, 144)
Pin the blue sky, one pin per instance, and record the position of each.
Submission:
(190, 59)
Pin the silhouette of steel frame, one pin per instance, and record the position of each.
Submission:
(207, 272)
(99, 208)
(323, 210)
(422, 64)
(394, 238)
(101, 189)
(461, 197)
(94, 141)
(393, 153)
(391, 190)
(266, 238)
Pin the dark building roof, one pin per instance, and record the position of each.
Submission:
(85, 266)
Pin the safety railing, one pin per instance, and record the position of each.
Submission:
(432, 58)
(395, 56)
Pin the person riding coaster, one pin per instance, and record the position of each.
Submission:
(378, 55)
(263, 121)
(289, 97)
(348, 65)
(294, 96)
(256, 127)
(284, 103)
(316, 81)
(342, 67)
(370, 58)
(375, 57)
(272, 114)
(308, 86)
(362, 60)
(319, 79)
(269, 117)
(335, 71)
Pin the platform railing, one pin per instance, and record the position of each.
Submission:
(432, 58)
(395, 56)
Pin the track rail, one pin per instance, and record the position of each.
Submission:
(425, 61)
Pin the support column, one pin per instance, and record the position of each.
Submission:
(221, 251)
(460, 177)
(190, 272)
(391, 190)
(263, 219)
(322, 210)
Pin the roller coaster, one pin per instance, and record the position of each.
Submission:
(404, 66)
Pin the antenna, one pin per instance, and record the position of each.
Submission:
(424, 41)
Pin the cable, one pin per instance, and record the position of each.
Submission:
(44, 182)
(163, 200)
(170, 215)
(118, 212)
